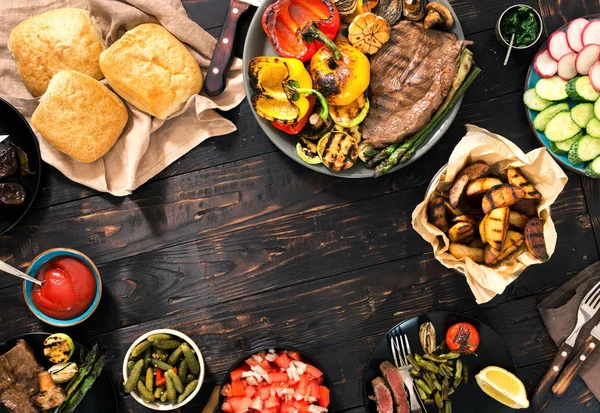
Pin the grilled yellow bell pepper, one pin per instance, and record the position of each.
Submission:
(341, 73)
(281, 86)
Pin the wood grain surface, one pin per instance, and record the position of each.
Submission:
(238, 246)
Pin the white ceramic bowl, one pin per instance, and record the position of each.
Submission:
(159, 405)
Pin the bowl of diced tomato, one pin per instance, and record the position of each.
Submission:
(276, 380)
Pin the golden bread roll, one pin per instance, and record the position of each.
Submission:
(80, 116)
(152, 70)
(56, 40)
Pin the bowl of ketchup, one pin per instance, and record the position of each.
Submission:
(71, 291)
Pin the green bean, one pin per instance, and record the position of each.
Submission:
(182, 371)
(435, 358)
(414, 363)
(450, 356)
(436, 383)
(465, 374)
(428, 401)
(140, 348)
(458, 371)
(457, 382)
(191, 359)
(136, 371)
(427, 365)
(422, 393)
(445, 388)
(423, 386)
(176, 380)
(448, 406)
(175, 356)
(150, 379)
(160, 364)
(145, 394)
(166, 344)
(158, 392)
(438, 399)
(445, 371)
(130, 365)
(189, 389)
(158, 336)
(414, 373)
(171, 391)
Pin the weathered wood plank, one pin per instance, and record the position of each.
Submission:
(591, 189)
(556, 12)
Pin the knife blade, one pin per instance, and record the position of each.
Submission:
(214, 84)
(587, 348)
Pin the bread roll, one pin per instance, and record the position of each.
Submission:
(152, 70)
(56, 40)
(80, 116)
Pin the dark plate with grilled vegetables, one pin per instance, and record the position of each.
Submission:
(464, 394)
(20, 166)
(32, 353)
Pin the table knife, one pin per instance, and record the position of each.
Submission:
(573, 367)
(214, 84)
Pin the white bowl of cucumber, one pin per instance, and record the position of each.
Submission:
(163, 370)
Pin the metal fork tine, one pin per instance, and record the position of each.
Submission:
(596, 302)
(400, 355)
(592, 291)
(407, 345)
(593, 297)
(394, 351)
(404, 351)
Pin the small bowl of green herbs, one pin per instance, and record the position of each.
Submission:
(524, 22)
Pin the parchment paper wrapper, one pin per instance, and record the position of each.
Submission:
(499, 153)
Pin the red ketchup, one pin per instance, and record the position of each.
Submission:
(69, 289)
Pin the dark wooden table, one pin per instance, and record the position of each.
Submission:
(238, 246)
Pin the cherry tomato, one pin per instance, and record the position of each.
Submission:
(462, 338)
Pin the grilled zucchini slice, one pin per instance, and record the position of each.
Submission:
(338, 151)
(307, 151)
(350, 115)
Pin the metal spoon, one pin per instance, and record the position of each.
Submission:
(9, 269)
(512, 39)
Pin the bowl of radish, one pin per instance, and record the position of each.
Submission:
(562, 95)
(275, 379)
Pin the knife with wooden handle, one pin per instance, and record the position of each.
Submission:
(579, 359)
(214, 84)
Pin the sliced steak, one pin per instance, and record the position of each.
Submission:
(19, 378)
(410, 77)
(396, 385)
(382, 396)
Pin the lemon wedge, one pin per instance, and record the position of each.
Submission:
(503, 386)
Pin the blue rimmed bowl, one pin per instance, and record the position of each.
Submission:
(33, 270)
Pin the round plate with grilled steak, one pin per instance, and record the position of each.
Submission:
(25, 177)
(257, 44)
(101, 398)
(468, 398)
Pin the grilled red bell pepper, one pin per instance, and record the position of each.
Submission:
(295, 128)
(285, 22)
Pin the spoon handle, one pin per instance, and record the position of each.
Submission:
(18, 273)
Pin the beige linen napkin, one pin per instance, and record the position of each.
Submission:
(559, 312)
(147, 145)
(479, 145)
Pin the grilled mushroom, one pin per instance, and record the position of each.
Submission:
(414, 10)
(438, 16)
(50, 395)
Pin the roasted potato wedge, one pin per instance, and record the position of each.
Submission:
(481, 185)
(503, 195)
(534, 238)
(482, 230)
(457, 189)
(436, 214)
(513, 241)
(526, 206)
(460, 252)
(475, 171)
(496, 227)
(471, 219)
(516, 178)
(477, 243)
(518, 220)
(461, 233)
(456, 211)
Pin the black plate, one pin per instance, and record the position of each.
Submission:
(13, 124)
(309, 359)
(101, 398)
(468, 398)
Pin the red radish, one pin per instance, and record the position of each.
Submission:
(586, 58)
(595, 76)
(566, 66)
(558, 46)
(591, 33)
(574, 33)
(544, 65)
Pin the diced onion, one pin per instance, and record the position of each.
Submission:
(272, 350)
(287, 391)
(313, 408)
(259, 370)
(312, 399)
(257, 358)
(271, 357)
(298, 396)
(252, 381)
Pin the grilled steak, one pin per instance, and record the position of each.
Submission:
(396, 385)
(410, 77)
(19, 378)
(382, 397)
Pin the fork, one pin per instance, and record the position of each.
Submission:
(400, 353)
(587, 309)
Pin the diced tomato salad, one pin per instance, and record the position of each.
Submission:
(276, 382)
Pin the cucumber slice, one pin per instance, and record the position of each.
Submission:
(592, 169)
(542, 119)
(584, 149)
(562, 147)
(582, 114)
(561, 127)
(534, 102)
(553, 88)
(597, 109)
(593, 128)
(580, 89)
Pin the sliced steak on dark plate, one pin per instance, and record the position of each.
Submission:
(19, 378)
